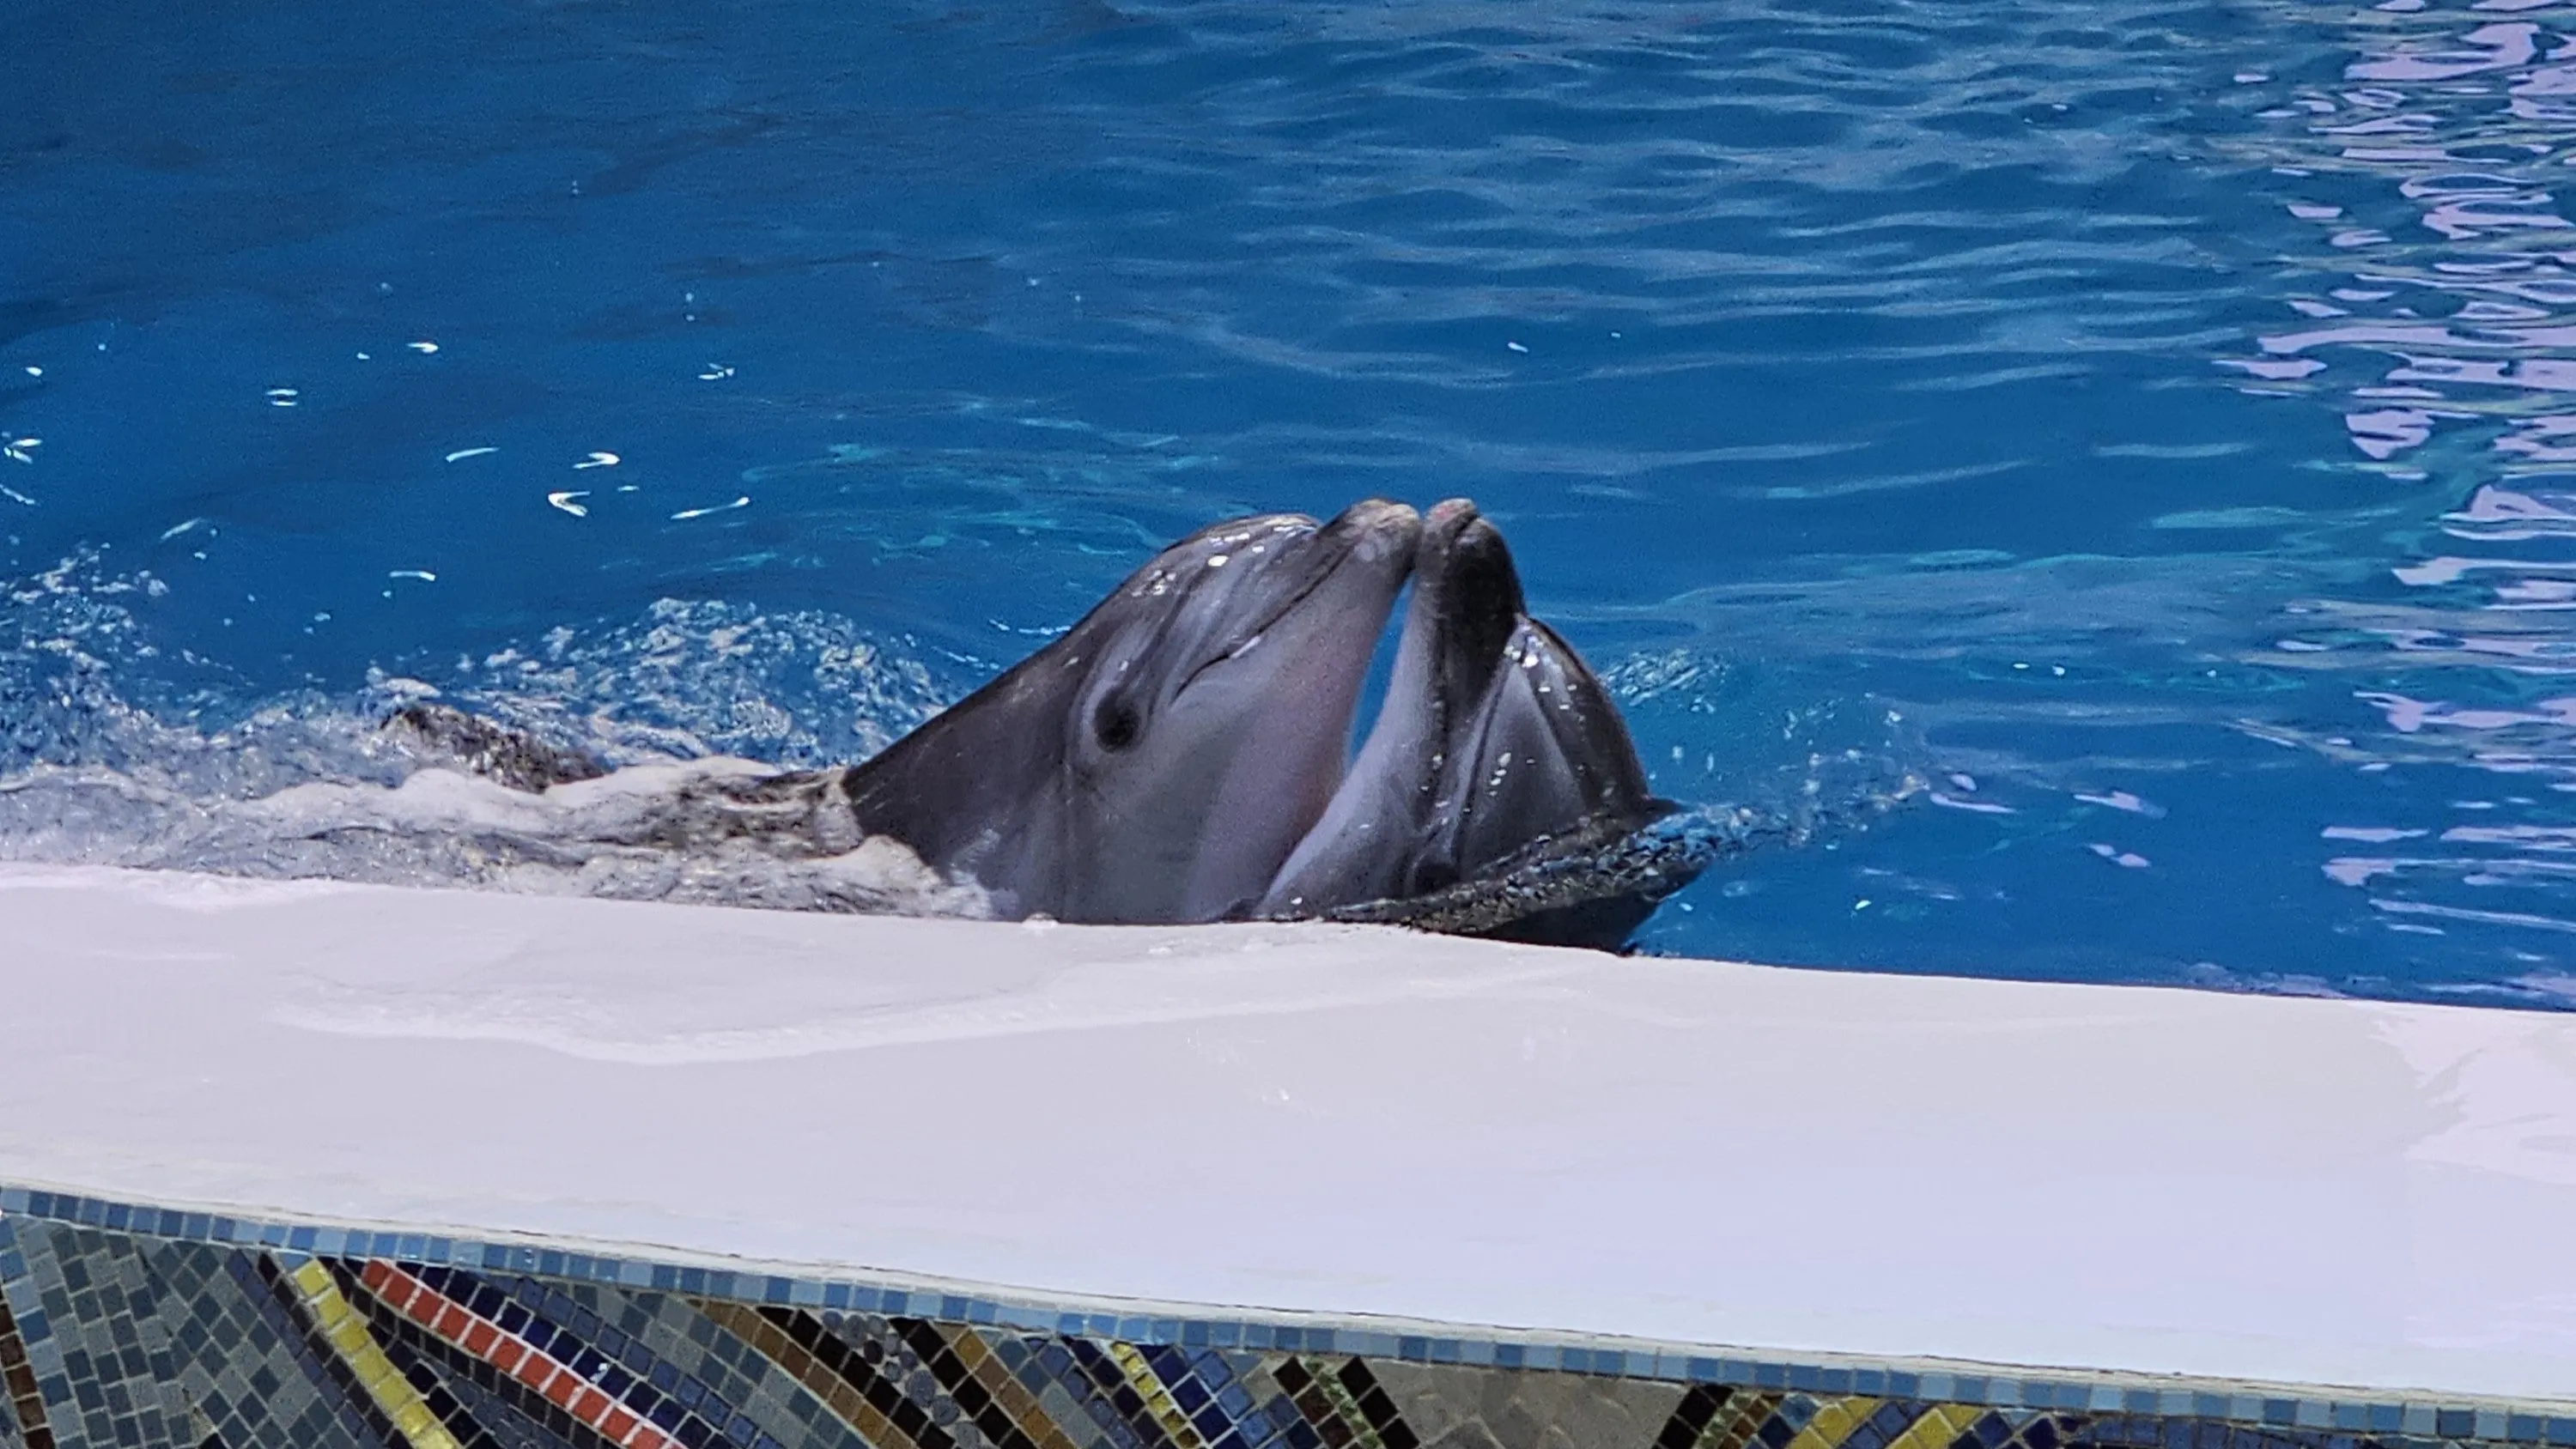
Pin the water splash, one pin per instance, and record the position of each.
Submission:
(105, 760)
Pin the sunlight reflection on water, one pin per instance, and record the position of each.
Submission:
(2439, 313)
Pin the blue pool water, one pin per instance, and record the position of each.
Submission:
(2140, 425)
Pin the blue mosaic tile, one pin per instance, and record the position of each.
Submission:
(134, 1281)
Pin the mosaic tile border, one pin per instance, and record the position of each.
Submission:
(427, 1341)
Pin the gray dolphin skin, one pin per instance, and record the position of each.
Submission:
(1496, 749)
(1178, 755)
(1159, 760)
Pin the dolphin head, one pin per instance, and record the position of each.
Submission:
(1159, 760)
(1380, 838)
(1494, 739)
(1216, 706)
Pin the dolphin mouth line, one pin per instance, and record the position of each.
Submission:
(1239, 645)
(1453, 516)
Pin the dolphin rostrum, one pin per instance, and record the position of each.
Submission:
(1178, 754)
(1496, 754)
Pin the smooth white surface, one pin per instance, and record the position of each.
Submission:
(1332, 1119)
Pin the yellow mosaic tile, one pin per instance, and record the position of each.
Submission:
(346, 1333)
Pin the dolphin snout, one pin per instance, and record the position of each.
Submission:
(1460, 547)
(1449, 515)
(1465, 573)
(1378, 528)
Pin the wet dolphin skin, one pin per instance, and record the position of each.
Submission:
(1159, 760)
(1178, 754)
(1181, 753)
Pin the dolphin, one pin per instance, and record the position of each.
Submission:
(1495, 750)
(1159, 760)
(1178, 755)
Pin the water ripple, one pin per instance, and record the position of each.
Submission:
(2438, 312)
(2152, 423)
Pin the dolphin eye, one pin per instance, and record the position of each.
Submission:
(1115, 724)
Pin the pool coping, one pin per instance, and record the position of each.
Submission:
(639, 1267)
(2082, 1200)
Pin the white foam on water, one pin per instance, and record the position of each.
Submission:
(104, 762)
(308, 785)
(643, 833)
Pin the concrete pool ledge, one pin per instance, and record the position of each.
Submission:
(2331, 1216)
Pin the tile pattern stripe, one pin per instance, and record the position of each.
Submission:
(481, 1403)
(542, 1373)
(1148, 1386)
(339, 1326)
(832, 1372)
(1834, 1423)
(981, 1369)
(1694, 1420)
(1345, 1404)
(122, 1324)
(1102, 1388)
(22, 1402)
(1940, 1427)
(318, 1405)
